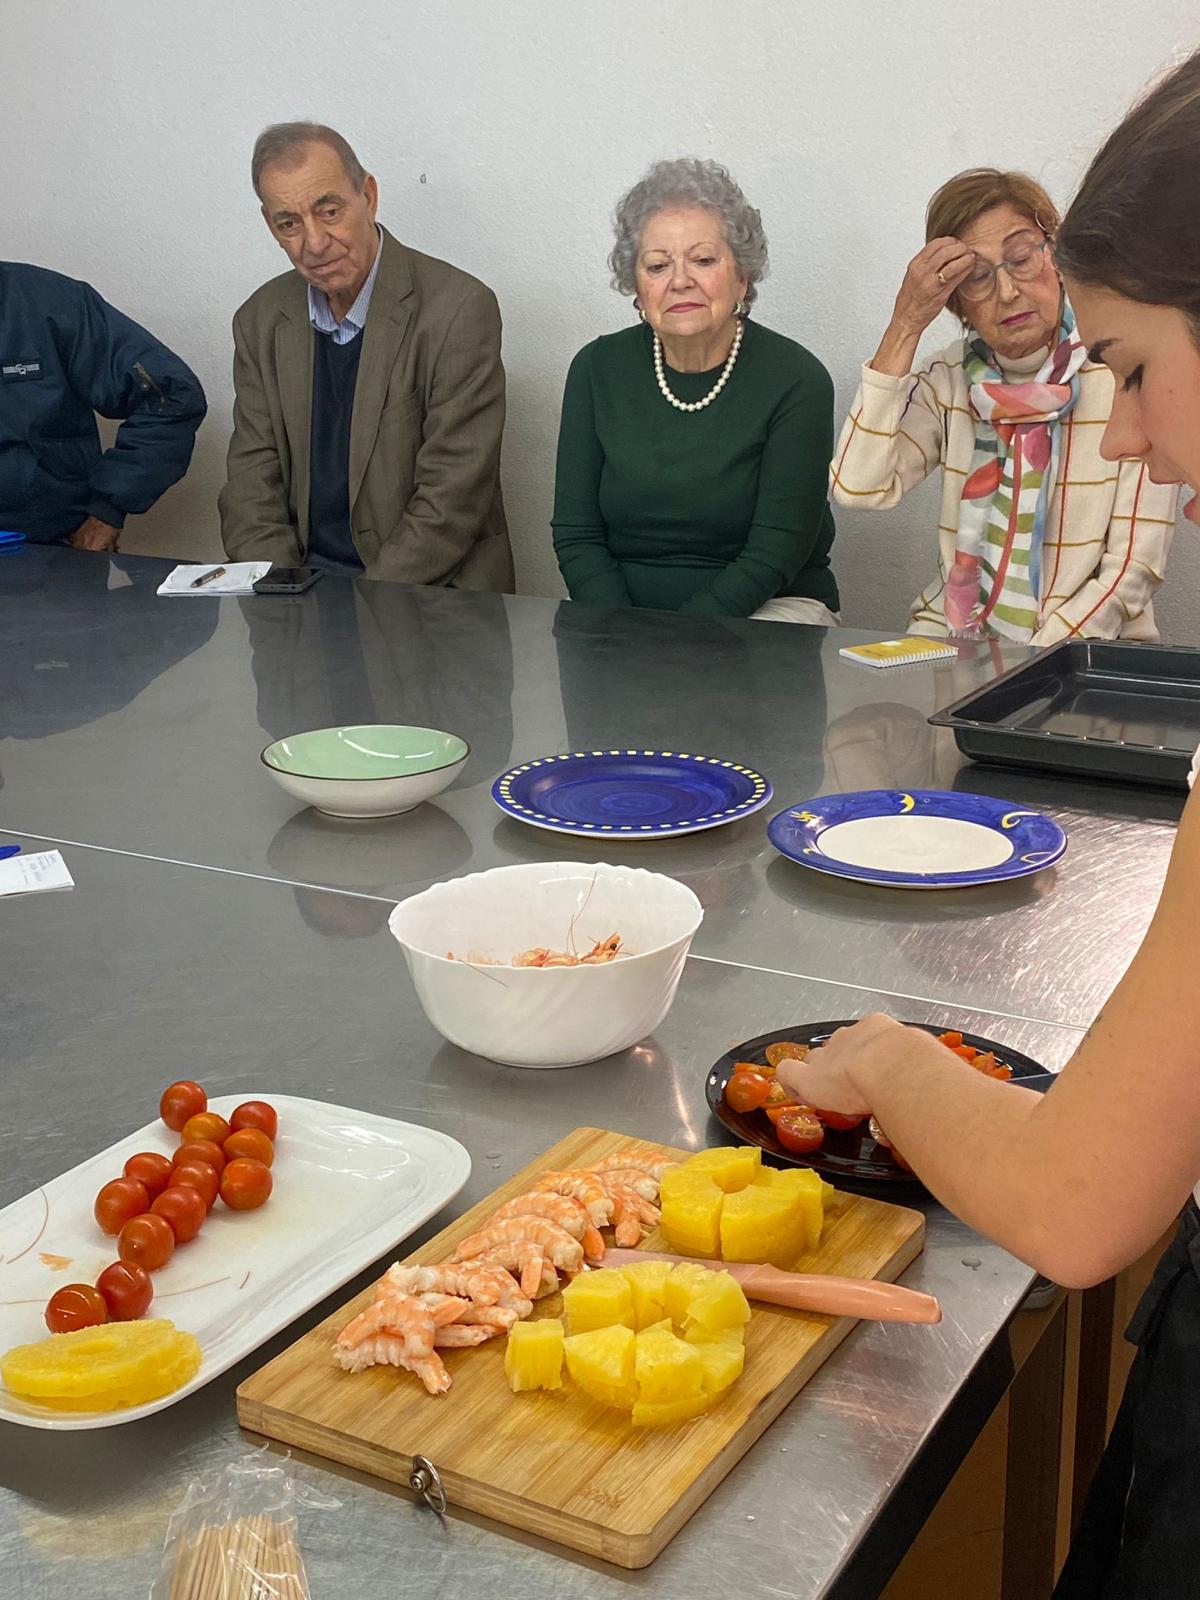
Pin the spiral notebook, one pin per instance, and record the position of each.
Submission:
(899, 652)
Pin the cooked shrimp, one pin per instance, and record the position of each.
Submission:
(570, 1214)
(632, 1157)
(394, 1331)
(582, 1186)
(456, 1337)
(486, 1287)
(633, 1178)
(631, 1214)
(524, 1245)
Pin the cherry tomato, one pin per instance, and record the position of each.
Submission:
(150, 1169)
(147, 1241)
(127, 1290)
(245, 1184)
(779, 1096)
(746, 1091)
(202, 1150)
(118, 1201)
(184, 1208)
(255, 1114)
(952, 1038)
(754, 1066)
(179, 1102)
(967, 1051)
(799, 1130)
(206, 1125)
(775, 1112)
(75, 1305)
(251, 1143)
(200, 1176)
(785, 1050)
(838, 1119)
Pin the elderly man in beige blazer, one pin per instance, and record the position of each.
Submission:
(369, 391)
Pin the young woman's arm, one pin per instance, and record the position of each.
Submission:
(1077, 1182)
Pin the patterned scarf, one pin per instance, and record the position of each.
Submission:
(994, 587)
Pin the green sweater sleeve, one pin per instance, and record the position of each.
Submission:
(580, 534)
(793, 491)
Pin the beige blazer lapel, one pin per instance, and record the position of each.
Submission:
(383, 336)
(294, 364)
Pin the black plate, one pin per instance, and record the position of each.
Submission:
(1102, 708)
(846, 1157)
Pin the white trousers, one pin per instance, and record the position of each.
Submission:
(796, 608)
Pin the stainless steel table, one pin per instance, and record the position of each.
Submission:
(214, 933)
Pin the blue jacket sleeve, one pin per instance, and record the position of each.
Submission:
(122, 371)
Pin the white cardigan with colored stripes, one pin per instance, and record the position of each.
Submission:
(1108, 529)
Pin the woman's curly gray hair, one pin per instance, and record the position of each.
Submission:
(689, 182)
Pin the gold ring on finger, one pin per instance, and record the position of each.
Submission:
(940, 278)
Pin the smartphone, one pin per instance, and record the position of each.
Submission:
(287, 580)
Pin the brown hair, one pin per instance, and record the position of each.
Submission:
(1134, 226)
(285, 142)
(964, 198)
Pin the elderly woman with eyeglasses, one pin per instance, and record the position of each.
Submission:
(693, 448)
(1040, 538)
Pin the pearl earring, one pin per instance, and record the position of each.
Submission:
(637, 306)
(739, 309)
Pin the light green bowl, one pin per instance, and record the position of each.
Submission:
(376, 770)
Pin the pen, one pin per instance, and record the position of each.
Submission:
(7, 850)
(207, 577)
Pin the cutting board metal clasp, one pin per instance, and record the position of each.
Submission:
(425, 1481)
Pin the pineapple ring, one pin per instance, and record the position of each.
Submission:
(115, 1358)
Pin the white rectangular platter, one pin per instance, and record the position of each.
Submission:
(349, 1186)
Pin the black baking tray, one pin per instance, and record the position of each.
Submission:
(1100, 708)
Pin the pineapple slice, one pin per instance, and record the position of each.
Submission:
(685, 1281)
(647, 1282)
(666, 1369)
(669, 1413)
(598, 1300)
(731, 1167)
(101, 1369)
(602, 1364)
(721, 1363)
(533, 1355)
(717, 1306)
(764, 1222)
(810, 1192)
(691, 1212)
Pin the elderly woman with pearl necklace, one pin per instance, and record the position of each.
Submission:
(693, 448)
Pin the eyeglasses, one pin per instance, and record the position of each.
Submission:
(1027, 255)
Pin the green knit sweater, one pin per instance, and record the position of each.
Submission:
(711, 512)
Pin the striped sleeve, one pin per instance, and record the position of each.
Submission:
(1131, 566)
(891, 441)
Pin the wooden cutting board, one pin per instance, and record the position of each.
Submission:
(553, 1462)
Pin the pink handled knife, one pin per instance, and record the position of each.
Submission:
(808, 1291)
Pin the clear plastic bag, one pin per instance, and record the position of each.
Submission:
(234, 1536)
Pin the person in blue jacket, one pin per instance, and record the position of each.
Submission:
(66, 354)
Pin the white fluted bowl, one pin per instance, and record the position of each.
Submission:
(554, 1016)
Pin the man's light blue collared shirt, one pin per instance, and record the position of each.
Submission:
(355, 320)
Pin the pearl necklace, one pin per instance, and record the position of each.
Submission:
(697, 405)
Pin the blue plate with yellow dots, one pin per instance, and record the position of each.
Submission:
(917, 838)
(630, 794)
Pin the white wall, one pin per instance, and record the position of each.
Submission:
(501, 134)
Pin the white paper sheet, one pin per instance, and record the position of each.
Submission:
(239, 577)
(29, 874)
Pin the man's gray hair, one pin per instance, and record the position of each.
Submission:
(689, 182)
(284, 141)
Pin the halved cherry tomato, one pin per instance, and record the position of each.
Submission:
(118, 1201)
(255, 1114)
(147, 1241)
(779, 1096)
(75, 1305)
(200, 1176)
(251, 1143)
(150, 1169)
(786, 1050)
(245, 1184)
(206, 1125)
(754, 1066)
(202, 1150)
(184, 1208)
(746, 1091)
(127, 1290)
(839, 1119)
(952, 1038)
(180, 1101)
(799, 1130)
(968, 1052)
(775, 1112)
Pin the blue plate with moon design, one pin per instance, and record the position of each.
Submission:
(630, 794)
(917, 838)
